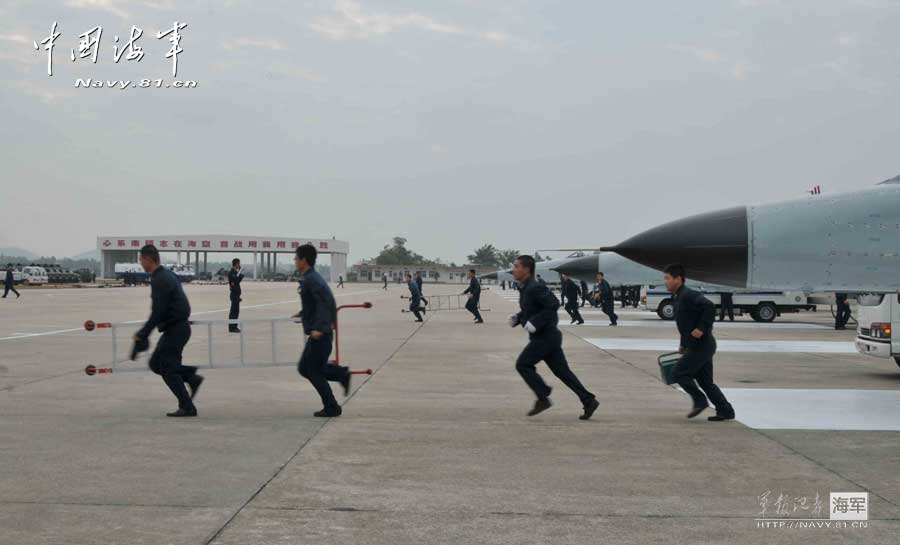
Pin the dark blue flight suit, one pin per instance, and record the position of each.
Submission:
(9, 284)
(318, 314)
(842, 313)
(693, 311)
(607, 302)
(584, 293)
(726, 304)
(415, 299)
(539, 306)
(234, 287)
(169, 314)
(474, 292)
(419, 282)
(571, 293)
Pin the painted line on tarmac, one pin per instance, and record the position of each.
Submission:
(262, 305)
(718, 325)
(670, 345)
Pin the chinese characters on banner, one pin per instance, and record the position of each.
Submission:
(232, 244)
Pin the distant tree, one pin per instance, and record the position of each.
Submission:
(399, 254)
(486, 256)
(506, 258)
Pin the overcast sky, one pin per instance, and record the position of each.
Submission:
(527, 124)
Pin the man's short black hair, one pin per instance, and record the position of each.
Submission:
(601, 273)
(307, 252)
(675, 270)
(407, 275)
(527, 261)
(150, 251)
(235, 261)
(472, 271)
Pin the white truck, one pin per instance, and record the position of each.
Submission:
(762, 306)
(34, 276)
(877, 315)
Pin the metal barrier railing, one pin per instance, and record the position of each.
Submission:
(114, 327)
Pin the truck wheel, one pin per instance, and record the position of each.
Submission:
(766, 312)
(666, 310)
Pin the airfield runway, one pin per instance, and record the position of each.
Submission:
(435, 447)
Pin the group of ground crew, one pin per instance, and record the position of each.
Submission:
(538, 315)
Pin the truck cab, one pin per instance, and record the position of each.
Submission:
(878, 316)
(34, 276)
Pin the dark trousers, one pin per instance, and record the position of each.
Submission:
(572, 309)
(842, 316)
(9, 288)
(547, 347)
(694, 372)
(315, 368)
(235, 311)
(166, 362)
(472, 306)
(608, 308)
(726, 305)
(414, 308)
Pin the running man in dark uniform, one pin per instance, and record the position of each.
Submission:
(169, 315)
(318, 314)
(539, 316)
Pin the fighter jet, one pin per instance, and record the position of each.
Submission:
(619, 271)
(546, 269)
(846, 242)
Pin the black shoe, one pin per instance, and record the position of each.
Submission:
(181, 412)
(589, 409)
(572, 322)
(329, 412)
(540, 406)
(194, 385)
(580, 322)
(697, 410)
(420, 320)
(234, 330)
(613, 324)
(479, 321)
(721, 417)
(345, 382)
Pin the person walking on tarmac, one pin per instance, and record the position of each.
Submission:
(474, 293)
(340, 281)
(415, 297)
(420, 282)
(570, 293)
(539, 316)
(9, 283)
(318, 314)
(584, 293)
(607, 302)
(384, 277)
(234, 287)
(169, 314)
(695, 316)
(726, 304)
(842, 315)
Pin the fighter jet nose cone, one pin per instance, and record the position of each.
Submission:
(712, 247)
(579, 266)
(489, 276)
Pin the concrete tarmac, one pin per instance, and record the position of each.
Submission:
(435, 447)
